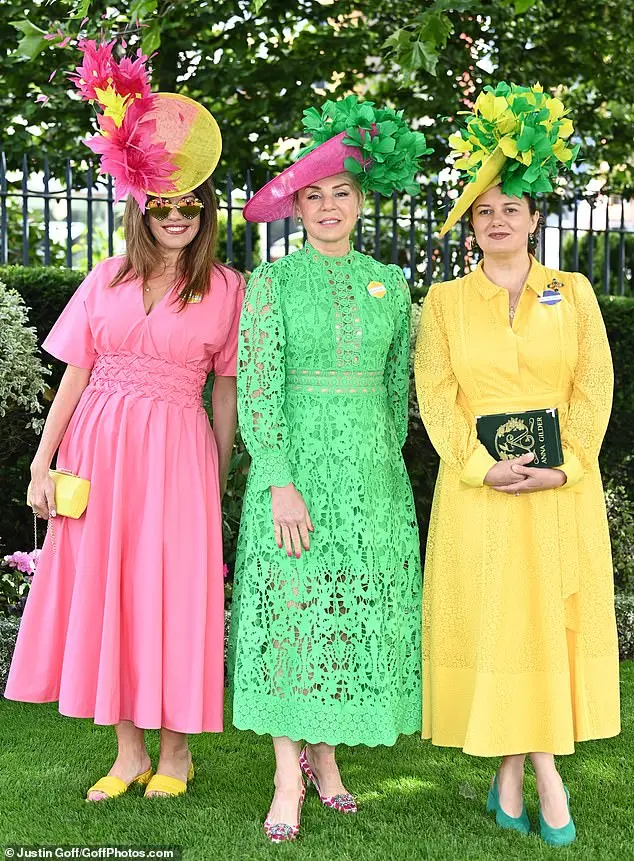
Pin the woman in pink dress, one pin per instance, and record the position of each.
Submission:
(124, 622)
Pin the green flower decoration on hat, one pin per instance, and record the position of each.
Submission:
(390, 153)
(531, 129)
(516, 136)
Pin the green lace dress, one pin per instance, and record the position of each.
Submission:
(327, 647)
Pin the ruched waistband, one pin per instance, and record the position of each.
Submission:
(334, 382)
(148, 377)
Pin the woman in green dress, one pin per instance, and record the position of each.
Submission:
(325, 639)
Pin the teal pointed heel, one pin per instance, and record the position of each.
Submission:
(503, 820)
(558, 836)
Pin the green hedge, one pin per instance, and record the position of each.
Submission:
(8, 634)
(47, 289)
(624, 606)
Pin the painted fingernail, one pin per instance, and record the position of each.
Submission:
(297, 555)
(279, 546)
(288, 554)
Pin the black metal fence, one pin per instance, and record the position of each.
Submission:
(74, 222)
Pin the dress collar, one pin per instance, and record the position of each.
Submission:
(536, 280)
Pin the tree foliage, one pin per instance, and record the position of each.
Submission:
(257, 65)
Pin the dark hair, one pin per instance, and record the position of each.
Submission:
(533, 240)
(196, 261)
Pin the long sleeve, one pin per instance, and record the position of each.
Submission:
(396, 375)
(591, 398)
(261, 378)
(449, 424)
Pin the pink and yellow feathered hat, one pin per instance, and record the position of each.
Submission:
(160, 144)
(375, 145)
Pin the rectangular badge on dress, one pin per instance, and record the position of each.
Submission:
(551, 294)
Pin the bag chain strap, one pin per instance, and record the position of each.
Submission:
(51, 530)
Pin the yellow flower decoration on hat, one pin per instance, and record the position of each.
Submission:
(516, 136)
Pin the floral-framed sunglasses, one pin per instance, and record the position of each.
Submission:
(188, 208)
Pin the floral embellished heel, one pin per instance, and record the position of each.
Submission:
(342, 803)
(280, 832)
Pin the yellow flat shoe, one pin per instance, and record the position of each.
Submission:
(171, 786)
(112, 786)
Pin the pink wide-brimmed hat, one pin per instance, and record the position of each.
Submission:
(275, 199)
(375, 146)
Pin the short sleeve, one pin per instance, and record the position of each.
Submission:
(71, 338)
(226, 359)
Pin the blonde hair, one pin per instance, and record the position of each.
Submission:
(196, 261)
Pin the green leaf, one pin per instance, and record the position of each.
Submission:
(398, 41)
(532, 173)
(151, 38)
(526, 139)
(435, 28)
(352, 166)
(354, 135)
(311, 119)
(424, 55)
(383, 145)
(541, 185)
(522, 6)
(514, 186)
(256, 5)
(453, 5)
(81, 9)
(140, 10)
(32, 42)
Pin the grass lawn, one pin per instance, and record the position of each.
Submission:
(416, 801)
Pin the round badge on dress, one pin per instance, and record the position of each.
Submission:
(376, 289)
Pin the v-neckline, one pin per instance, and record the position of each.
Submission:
(155, 307)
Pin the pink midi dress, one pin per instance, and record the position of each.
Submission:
(125, 616)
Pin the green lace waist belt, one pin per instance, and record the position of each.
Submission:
(335, 382)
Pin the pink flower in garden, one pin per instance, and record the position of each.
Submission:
(23, 562)
(41, 99)
(225, 570)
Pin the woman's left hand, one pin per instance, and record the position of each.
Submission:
(534, 479)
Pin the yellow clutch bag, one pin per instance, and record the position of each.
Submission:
(71, 493)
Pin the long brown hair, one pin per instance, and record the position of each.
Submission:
(196, 261)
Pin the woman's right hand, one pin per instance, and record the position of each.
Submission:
(40, 495)
(502, 473)
(291, 520)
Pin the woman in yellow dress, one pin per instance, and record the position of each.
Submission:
(520, 645)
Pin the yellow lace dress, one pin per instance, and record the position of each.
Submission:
(519, 635)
